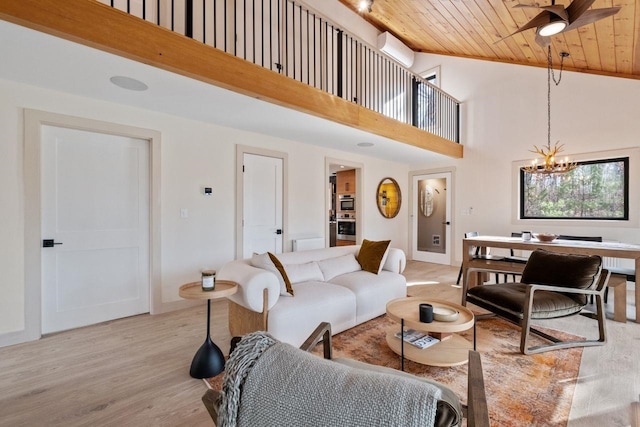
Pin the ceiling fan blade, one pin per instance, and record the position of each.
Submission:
(543, 41)
(591, 16)
(577, 8)
(542, 18)
(557, 10)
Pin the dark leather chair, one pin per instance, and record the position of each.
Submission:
(552, 285)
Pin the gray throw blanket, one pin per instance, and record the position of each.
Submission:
(269, 383)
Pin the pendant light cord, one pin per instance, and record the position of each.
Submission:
(551, 75)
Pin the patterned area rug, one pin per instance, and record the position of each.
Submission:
(521, 390)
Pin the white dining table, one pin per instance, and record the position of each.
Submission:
(604, 249)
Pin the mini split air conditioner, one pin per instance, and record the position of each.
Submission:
(395, 49)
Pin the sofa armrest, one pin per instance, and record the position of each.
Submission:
(396, 261)
(252, 282)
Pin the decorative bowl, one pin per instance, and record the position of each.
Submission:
(546, 237)
(445, 314)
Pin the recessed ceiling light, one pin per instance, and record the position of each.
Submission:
(128, 83)
(365, 144)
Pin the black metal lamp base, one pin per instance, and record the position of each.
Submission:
(208, 361)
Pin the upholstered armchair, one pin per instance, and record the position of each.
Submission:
(270, 383)
(552, 285)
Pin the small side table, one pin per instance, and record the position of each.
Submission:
(209, 360)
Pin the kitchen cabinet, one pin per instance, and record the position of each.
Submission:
(346, 181)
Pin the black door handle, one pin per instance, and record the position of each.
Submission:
(278, 231)
(447, 223)
(48, 243)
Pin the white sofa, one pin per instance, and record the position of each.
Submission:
(327, 286)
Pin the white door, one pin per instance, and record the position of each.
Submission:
(95, 207)
(262, 202)
(432, 218)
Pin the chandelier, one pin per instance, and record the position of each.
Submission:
(550, 163)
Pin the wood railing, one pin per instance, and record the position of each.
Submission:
(290, 39)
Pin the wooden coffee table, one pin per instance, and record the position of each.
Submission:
(454, 350)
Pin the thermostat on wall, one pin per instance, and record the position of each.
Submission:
(208, 191)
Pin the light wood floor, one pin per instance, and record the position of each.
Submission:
(135, 371)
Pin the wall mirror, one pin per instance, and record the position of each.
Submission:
(388, 197)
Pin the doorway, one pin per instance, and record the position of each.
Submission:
(344, 204)
(431, 217)
(261, 201)
(35, 193)
(95, 227)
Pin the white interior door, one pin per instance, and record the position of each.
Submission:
(262, 204)
(95, 206)
(432, 218)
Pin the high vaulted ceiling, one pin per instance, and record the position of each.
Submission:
(470, 28)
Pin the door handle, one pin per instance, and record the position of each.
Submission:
(48, 243)
(447, 223)
(278, 231)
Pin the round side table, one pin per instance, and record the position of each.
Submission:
(209, 360)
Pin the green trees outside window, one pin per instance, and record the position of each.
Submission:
(596, 189)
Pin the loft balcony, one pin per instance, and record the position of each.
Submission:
(273, 50)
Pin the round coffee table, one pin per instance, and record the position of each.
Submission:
(450, 351)
(209, 360)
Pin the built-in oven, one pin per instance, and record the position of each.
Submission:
(347, 202)
(346, 229)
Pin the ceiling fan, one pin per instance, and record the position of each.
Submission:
(555, 19)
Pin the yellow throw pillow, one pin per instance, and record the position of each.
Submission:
(283, 273)
(371, 255)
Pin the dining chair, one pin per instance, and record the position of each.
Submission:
(477, 254)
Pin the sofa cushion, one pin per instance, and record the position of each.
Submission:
(304, 272)
(372, 255)
(372, 292)
(265, 262)
(336, 266)
(293, 319)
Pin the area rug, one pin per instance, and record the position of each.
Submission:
(534, 390)
(521, 390)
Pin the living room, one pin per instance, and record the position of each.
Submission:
(503, 109)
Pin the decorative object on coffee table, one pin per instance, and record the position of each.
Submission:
(209, 360)
(450, 351)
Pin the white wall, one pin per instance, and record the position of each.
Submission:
(505, 113)
(193, 154)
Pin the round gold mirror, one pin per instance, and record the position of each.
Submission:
(388, 197)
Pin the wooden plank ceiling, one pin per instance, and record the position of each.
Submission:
(470, 28)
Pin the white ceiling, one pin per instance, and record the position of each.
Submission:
(46, 61)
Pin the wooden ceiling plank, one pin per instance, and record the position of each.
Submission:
(589, 42)
(624, 36)
(575, 49)
(489, 31)
(465, 28)
(484, 28)
(636, 42)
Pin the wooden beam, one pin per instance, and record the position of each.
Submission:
(99, 26)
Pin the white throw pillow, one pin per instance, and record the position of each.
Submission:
(344, 264)
(304, 272)
(263, 261)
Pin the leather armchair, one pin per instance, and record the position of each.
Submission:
(552, 285)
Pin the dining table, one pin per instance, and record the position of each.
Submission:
(609, 249)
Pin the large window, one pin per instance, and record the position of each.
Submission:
(597, 189)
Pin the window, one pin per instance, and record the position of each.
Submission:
(596, 189)
(425, 103)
